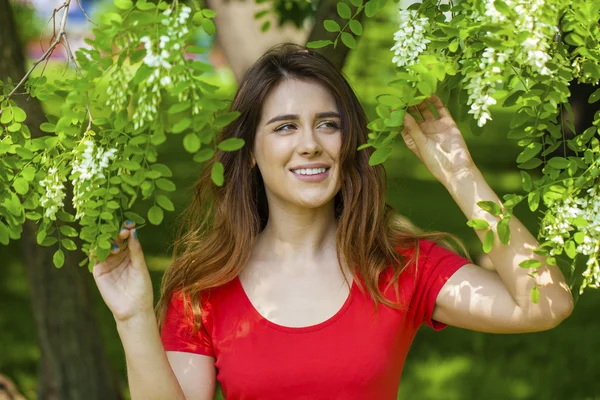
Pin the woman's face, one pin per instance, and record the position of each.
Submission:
(297, 145)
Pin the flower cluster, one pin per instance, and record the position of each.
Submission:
(88, 166)
(54, 196)
(480, 83)
(117, 89)
(533, 17)
(162, 55)
(577, 217)
(410, 38)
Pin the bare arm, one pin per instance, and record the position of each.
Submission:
(124, 283)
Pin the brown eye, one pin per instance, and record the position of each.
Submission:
(331, 125)
(282, 128)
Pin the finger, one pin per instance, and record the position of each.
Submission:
(135, 249)
(439, 106)
(411, 127)
(129, 224)
(423, 107)
(415, 113)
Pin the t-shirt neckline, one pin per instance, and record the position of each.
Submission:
(293, 329)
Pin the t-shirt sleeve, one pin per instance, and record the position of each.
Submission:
(436, 265)
(176, 332)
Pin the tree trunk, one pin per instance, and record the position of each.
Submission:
(73, 364)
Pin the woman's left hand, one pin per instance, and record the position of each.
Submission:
(438, 143)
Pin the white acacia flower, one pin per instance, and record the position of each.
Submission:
(410, 38)
(55, 194)
(558, 227)
(88, 165)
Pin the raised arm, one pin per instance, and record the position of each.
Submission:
(474, 298)
(124, 283)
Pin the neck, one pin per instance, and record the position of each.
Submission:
(298, 233)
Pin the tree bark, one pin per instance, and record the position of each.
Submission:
(73, 363)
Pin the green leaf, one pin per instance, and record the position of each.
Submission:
(343, 10)
(165, 202)
(138, 219)
(68, 244)
(371, 8)
(19, 114)
(478, 223)
(47, 127)
(198, 18)
(165, 185)
(530, 264)
(559, 163)
(488, 241)
(131, 165)
(317, 44)
(389, 100)
(204, 155)
(231, 144)
(529, 152)
(225, 119)
(265, 26)
(356, 3)
(155, 215)
(531, 164)
(67, 230)
(579, 237)
(179, 107)
(331, 26)
(491, 207)
(594, 97)
(526, 181)
(380, 156)
(512, 99)
(356, 27)
(535, 295)
(504, 230)
(191, 142)
(163, 169)
(4, 237)
(208, 13)
(217, 173)
(58, 258)
(21, 186)
(107, 216)
(209, 26)
(123, 4)
(182, 125)
(348, 40)
(570, 249)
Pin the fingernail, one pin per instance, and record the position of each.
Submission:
(114, 247)
(123, 230)
(135, 234)
(129, 222)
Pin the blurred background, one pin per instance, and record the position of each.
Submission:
(453, 364)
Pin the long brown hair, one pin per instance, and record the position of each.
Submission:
(218, 230)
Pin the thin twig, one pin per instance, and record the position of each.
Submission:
(83, 11)
(55, 42)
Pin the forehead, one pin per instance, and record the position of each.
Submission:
(293, 96)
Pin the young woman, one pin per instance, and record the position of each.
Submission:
(294, 280)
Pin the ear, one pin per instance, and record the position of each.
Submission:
(252, 161)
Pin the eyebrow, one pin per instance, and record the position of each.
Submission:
(328, 114)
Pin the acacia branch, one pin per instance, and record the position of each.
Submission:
(57, 39)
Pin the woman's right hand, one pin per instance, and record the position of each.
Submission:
(123, 278)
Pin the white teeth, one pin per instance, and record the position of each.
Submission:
(310, 171)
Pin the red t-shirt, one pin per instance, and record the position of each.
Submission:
(356, 354)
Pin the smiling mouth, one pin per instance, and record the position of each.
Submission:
(310, 171)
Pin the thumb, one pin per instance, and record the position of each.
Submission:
(135, 248)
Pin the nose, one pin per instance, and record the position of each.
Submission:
(308, 143)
